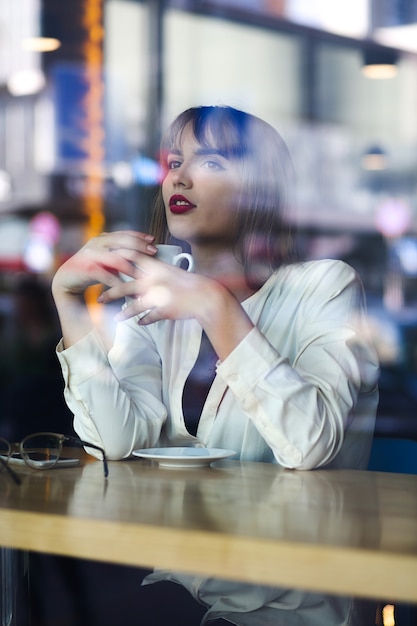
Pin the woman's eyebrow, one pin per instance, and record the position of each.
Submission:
(199, 152)
(209, 151)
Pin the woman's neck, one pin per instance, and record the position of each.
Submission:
(223, 266)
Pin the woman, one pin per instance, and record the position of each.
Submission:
(249, 352)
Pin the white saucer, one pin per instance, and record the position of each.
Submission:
(184, 457)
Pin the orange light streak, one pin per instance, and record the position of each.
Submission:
(93, 122)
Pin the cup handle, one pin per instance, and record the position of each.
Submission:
(184, 255)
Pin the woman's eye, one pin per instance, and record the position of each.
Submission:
(173, 165)
(212, 165)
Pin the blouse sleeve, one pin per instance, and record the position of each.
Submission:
(302, 403)
(110, 409)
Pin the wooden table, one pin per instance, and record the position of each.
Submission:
(341, 532)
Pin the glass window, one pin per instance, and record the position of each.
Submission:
(127, 76)
(381, 110)
(213, 61)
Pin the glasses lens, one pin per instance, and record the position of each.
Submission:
(41, 451)
(5, 451)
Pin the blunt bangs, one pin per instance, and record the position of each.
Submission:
(222, 128)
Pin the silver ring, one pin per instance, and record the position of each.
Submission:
(140, 316)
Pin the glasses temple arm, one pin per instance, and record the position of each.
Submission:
(13, 474)
(91, 445)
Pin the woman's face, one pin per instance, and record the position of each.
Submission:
(200, 192)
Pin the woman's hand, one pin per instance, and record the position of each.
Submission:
(163, 291)
(101, 260)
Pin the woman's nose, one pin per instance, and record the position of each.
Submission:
(181, 177)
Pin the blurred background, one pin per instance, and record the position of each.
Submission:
(86, 87)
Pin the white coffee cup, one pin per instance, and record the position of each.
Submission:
(167, 253)
(173, 255)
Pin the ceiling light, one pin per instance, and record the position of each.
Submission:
(41, 44)
(26, 82)
(380, 63)
(374, 159)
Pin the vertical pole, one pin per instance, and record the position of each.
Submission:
(156, 10)
(308, 76)
(8, 587)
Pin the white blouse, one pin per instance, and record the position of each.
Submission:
(300, 390)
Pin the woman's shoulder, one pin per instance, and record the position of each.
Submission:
(318, 271)
(319, 265)
(329, 275)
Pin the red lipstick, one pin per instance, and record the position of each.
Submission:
(179, 204)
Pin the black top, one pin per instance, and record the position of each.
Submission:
(198, 384)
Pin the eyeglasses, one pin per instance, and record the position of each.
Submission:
(42, 451)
